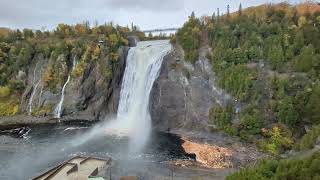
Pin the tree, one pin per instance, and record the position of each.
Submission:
(38, 34)
(24, 57)
(63, 30)
(312, 107)
(275, 56)
(298, 42)
(305, 61)
(113, 40)
(28, 33)
(286, 112)
(81, 29)
(192, 16)
(96, 53)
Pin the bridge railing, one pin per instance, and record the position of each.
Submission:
(160, 30)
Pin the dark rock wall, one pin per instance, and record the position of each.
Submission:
(90, 97)
(183, 94)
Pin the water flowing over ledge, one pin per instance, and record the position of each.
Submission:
(58, 109)
(143, 66)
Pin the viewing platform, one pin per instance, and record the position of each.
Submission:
(76, 168)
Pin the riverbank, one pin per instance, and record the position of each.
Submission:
(25, 120)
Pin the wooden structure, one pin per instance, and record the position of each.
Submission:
(76, 168)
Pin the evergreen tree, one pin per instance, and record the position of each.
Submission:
(228, 10)
(240, 9)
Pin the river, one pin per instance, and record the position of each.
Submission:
(36, 149)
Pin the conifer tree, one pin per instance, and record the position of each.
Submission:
(240, 9)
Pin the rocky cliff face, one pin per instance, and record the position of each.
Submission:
(184, 93)
(89, 97)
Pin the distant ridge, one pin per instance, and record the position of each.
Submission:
(302, 8)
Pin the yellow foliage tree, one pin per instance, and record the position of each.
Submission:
(81, 29)
(48, 76)
(4, 91)
(96, 53)
(113, 40)
(113, 56)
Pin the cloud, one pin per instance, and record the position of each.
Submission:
(148, 14)
(149, 5)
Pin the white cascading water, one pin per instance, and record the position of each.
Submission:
(34, 89)
(58, 109)
(32, 95)
(133, 117)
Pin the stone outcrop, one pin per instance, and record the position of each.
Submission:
(94, 97)
(216, 155)
(184, 93)
(90, 97)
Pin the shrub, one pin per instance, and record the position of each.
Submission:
(113, 56)
(222, 118)
(296, 169)
(250, 123)
(42, 111)
(309, 139)
(79, 69)
(4, 91)
(278, 140)
(8, 108)
(16, 85)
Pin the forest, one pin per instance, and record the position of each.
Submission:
(21, 48)
(268, 59)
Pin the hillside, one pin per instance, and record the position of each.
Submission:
(36, 65)
(268, 59)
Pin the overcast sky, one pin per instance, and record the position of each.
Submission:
(147, 14)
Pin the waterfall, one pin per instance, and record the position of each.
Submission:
(32, 95)
(143, 66)
(58, 109)
(34, 90)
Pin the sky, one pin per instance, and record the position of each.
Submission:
(147, 14)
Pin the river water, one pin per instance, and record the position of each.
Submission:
(26, 152)
(127, 139)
